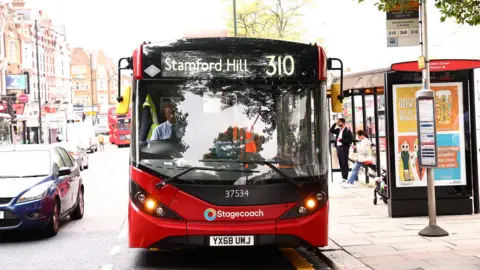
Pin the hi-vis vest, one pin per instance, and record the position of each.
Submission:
(250, 146)
(153, 112)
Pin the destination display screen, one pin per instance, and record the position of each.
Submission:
(233, 65)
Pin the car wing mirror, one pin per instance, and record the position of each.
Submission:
(64, 171)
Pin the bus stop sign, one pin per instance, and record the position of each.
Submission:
(426, 127)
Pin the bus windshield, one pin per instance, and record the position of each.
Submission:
(207, 124)
(123, 124)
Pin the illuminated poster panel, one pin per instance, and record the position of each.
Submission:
(450, 136)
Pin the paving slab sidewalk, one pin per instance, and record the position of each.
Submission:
(364, 236)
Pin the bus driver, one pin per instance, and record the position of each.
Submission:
(167, 129)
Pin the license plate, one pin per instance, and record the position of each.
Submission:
(226, 241)
(2, 215)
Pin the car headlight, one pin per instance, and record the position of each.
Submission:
(35, 193)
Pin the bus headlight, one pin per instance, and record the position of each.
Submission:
(141, 197)
(160, 212)
(310, 205)
(148, 204)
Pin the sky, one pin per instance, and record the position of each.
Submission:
(354, 32)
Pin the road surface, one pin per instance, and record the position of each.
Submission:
(99, 240)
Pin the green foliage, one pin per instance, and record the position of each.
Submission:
(279, 20)
(4, 129)
(463, 11)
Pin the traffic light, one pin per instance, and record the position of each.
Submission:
(83, 117)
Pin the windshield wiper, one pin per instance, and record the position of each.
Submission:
(260, 162)
(22, 176)
(33, 175)
(189, 169)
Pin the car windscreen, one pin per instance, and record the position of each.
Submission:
(218, 125)
(24, 163)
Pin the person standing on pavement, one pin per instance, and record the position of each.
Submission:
(343, 140)
(364, 154)
(101, 142)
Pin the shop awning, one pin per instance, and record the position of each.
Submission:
(5, 115)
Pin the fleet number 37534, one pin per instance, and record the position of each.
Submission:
(236, 193)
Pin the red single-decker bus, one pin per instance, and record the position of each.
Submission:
(230, 143)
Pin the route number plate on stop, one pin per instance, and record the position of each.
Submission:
(2, 216)
(225, 241)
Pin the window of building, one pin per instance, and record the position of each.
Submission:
(26, 55)
(80, 86)
(101, 85)
(84, 100)
(13, 52)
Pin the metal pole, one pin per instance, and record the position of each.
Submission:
(377, 133)
(432, 210)
(432, 205)
(40, 131)
(235, 17)
(432, 229)
(426, 70)
(91, 86)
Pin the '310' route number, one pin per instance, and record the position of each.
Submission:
(236, 193)
(280, 68)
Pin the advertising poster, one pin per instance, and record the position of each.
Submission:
(16, 82)
(450, 136)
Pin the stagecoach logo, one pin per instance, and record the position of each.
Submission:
(211, 214)
(152, 70)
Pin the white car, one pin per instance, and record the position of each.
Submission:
(83, 135)
(78, 154)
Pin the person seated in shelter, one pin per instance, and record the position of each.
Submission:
(168, 129)
(364, 154)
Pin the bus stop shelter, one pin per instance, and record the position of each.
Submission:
(382, 102)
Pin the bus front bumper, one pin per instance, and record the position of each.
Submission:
(146, 231)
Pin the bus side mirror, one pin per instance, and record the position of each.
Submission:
(336, 98)
(336, 89)
(124, 101)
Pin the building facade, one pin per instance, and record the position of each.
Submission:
(94, 82)
(82, 81)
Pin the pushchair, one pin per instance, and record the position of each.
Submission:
(381, 188)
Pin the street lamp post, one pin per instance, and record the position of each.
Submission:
(91, 86)
(235, 17)
(40, 131)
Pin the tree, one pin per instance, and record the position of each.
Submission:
(463, 11)
(4, 129)
(257, 19)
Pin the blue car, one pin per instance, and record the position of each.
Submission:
(39, 185)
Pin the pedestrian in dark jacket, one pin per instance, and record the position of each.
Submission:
(343, 140)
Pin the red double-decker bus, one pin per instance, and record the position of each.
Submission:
(119, 127)
(196, 179)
